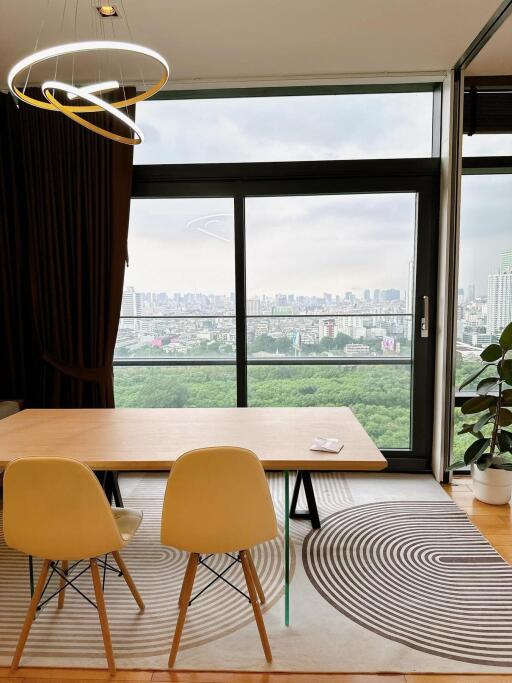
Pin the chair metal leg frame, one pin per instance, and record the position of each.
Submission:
(62, 588)
(31, 574)
(67, 571)
(255, 594)
(219, 575)
(304, 477)
(37, 602)
(64, 582)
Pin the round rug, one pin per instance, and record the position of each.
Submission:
(418, 573)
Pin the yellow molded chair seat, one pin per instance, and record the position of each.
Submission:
(218, 501)
(55, 509)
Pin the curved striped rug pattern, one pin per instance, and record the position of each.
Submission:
(73, 633)
(418, 573)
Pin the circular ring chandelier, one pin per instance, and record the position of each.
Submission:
(96, 104)
(95, 101)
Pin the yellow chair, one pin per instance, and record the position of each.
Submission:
(218, 501)
(55, 509)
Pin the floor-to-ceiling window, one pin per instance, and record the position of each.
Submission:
(282, 252)
(484, 305)
(485, 276)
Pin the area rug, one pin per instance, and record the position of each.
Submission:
(397, 580)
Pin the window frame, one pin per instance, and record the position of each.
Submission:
(238, 180)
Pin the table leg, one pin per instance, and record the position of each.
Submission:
(31, 573)
(286, 548)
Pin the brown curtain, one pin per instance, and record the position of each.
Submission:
(67, 223)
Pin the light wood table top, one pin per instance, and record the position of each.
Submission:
(153, 438)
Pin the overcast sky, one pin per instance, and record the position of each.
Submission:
(304, 245)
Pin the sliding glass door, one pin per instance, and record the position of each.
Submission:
(330, 306)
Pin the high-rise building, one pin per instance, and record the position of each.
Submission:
(253, 306)
(499, 295)
(132, 304)
(499, 301)
(506, 261)
(391, 295)
(367, 295)
(327, 328)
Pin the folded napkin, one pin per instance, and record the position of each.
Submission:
(327, 445)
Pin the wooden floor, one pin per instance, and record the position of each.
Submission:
(495, 522)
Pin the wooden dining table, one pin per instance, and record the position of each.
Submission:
(151, 439)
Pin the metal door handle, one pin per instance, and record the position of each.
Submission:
(425, 318)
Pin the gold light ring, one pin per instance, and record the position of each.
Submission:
(99, 105)
(85, 46)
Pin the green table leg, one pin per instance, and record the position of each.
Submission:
(286, 548)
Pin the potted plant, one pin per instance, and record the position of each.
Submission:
(490, 454)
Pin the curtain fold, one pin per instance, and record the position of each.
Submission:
(66, 225)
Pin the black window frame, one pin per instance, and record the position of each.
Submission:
(240, 180)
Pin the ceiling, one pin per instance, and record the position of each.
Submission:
(223, 42)
(495, 58)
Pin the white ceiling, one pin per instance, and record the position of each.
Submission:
(495, 58)
(222, 42)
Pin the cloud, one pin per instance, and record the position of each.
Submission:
(302, 245)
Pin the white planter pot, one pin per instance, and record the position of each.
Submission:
(492, 486)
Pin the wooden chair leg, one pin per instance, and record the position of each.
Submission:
(29, 618)
(129, 581)
(186, 592)
(255, 604)
(62, 586)
(256, 578)
(102, 613)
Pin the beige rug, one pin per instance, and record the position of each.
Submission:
(397, 579)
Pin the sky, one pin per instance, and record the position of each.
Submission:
(485, 228)
(302, 245)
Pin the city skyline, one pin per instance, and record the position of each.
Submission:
(481, 318)
(187, 324)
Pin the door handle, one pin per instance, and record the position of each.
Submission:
(425, 318)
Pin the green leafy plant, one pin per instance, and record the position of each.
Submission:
(490, 409)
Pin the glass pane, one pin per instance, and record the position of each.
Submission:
(313, 127)
(487, 145)
(330, 254)
(462, 441)
(485, 279)
(181, 257)
(176, 338)
(379, 396)
(485, 266)
(332, 336)
(175, 387)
